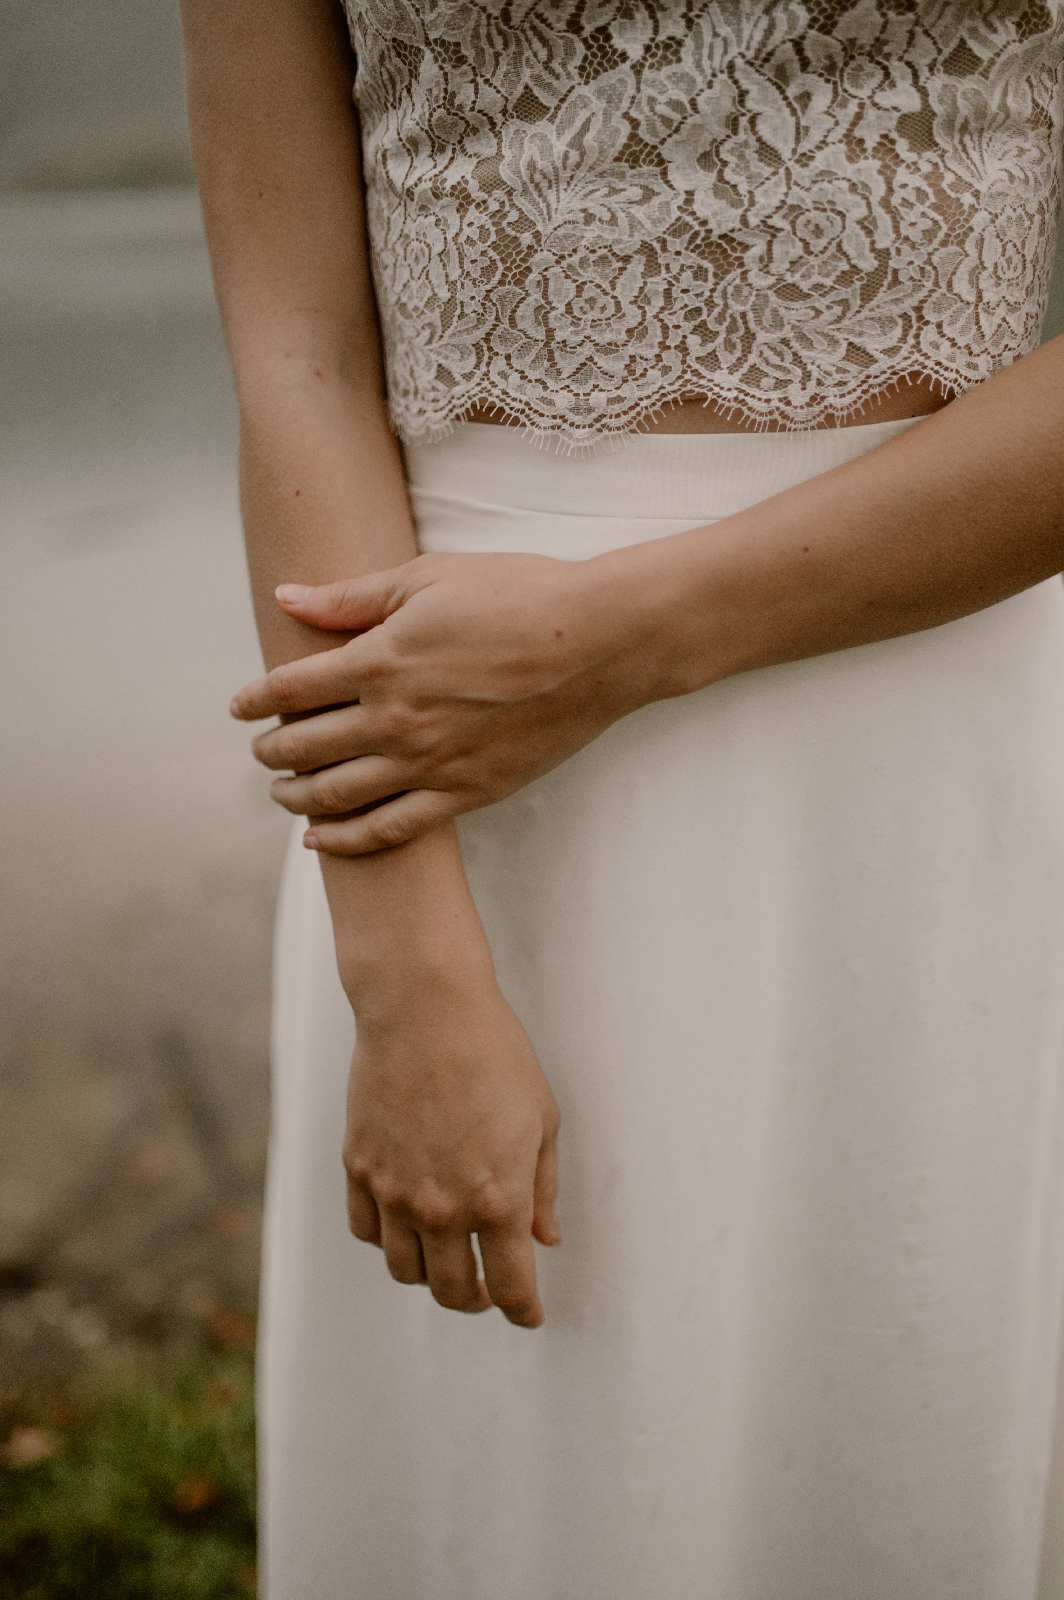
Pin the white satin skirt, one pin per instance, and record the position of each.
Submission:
(791, 950)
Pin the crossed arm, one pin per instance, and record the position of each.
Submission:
(468, 676)
(471, 675)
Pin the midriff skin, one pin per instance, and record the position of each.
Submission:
(916, 397)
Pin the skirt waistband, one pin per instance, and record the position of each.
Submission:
(692, 477)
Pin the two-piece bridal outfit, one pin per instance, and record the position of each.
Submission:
(790, 949)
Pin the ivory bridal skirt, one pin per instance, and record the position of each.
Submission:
(791, 950)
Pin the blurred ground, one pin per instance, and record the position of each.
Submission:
(133, 1485)
(139, 852)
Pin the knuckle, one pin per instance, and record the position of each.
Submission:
(387, 831)
(358, 1168)
(288, 749)
(373, 661)
(327, 793)
(399, 723)
(435, 1213)
(386, 1190)
(420, 744)
(282, 690)
(496, 1205)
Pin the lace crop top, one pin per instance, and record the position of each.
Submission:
(580, 210)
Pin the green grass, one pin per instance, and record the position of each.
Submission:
(148, 1494)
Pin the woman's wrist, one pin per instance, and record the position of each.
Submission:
(699, 606)
(387, 977)
(404, 923)
(643, 594)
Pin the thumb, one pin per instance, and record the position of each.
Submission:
(350, 605)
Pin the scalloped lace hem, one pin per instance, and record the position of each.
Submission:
(567, 437)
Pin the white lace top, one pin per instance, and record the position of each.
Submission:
(580, 210)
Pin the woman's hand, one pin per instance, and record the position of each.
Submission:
(468, 677)
(451, 1131)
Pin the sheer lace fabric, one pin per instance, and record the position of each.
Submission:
(581, 210)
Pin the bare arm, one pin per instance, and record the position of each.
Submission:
(504, 665)
(959, 512)
(323, 496)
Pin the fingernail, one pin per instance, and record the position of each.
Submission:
(310, 841)
(293, 593)
(234, 708)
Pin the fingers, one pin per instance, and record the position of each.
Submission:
(446, 1262)
(545, 1192)
(451, 1268)
(340, 789)
(402, 1250)
(394, 823)
(318, 741)
(328, 678)
(351, 604)
(510, 1274)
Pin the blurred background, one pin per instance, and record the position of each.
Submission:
(140, 854)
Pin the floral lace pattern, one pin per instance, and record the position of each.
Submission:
(581, 210)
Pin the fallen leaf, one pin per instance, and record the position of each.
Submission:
(232, 1222)
(232, 1330)
(193, 1494)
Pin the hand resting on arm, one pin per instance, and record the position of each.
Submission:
(472, 675)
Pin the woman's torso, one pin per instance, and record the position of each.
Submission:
(588, 216)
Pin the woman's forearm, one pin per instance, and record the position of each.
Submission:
(322, 486)
(959, 512)
(322, 490)
(323, 496)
